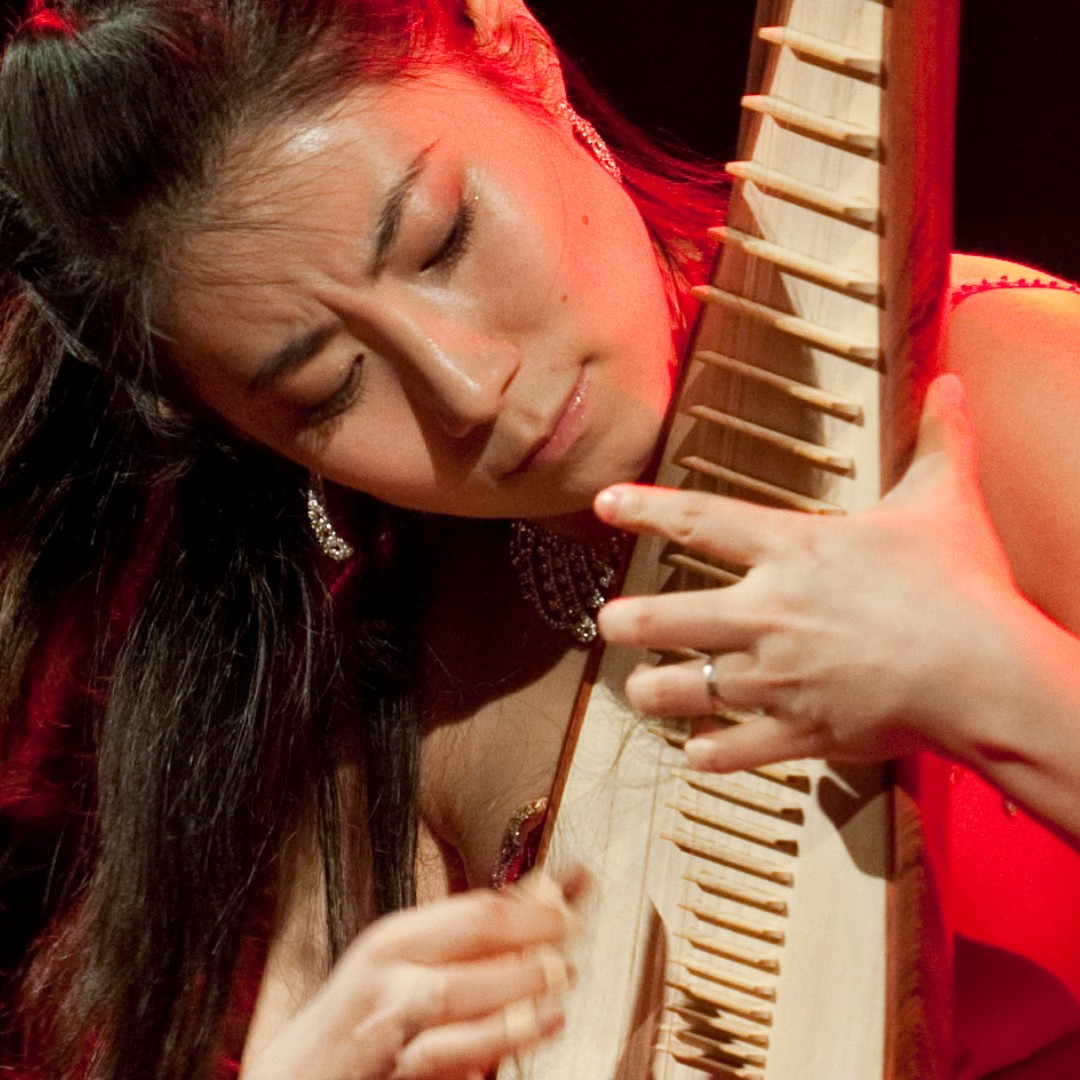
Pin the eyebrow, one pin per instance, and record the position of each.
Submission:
(297, 352)
(291, 356)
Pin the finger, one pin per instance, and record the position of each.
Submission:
(461, 1049)
(696, 620)
(715, 525)
(763, 741)
(420, 998)
(946, 428)
(682, 689)
(473, 925)
(468, 991)
(562, 890)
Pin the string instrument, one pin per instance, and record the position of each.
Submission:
(779, 924)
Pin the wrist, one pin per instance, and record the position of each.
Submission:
(977, 682)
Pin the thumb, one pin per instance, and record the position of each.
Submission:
(946, 437)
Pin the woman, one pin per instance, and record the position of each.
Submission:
(367, 241)
(206, 752)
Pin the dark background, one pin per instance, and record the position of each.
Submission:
(678, 66)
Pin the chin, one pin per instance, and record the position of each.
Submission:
(631, 464)
(579, 493)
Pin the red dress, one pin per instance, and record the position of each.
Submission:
(1015, 904)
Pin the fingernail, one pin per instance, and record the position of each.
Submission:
(555, 968)
(950, 389)
(539, 886)
(575, 883)
(549, 1015)
(523, 1022)
(606, 504)
(699, 754)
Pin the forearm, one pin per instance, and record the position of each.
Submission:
(1011, 712)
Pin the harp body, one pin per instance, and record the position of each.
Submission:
(774, 925)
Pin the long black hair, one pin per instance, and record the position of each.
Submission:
(217, 721)
(223, 696)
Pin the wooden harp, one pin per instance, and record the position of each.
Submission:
(780, 924)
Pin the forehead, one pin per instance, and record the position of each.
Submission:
(307, 181)
(272, 181)
(309, 186)
(365, 137)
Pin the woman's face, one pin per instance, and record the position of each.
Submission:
(434, 297)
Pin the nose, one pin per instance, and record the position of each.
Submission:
(460, 376)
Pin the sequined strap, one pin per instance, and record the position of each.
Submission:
(973, 288)
(520, 843)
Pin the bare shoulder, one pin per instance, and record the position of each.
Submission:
(1004, 336)
(966, 269)
(1018, 352)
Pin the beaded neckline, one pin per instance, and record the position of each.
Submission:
(962, 292)
(565, 582)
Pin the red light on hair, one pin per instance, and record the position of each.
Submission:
(47, 20)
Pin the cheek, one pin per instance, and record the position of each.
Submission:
(524, 267)
(630, 302)
(555, 234)
(619, 275)
(379, 447)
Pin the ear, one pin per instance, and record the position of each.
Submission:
(507, 29)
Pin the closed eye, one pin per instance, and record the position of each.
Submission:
(347, 394)
(456, 242)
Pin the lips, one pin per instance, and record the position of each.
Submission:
(567, 426)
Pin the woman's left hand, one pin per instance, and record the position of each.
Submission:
(860, 637)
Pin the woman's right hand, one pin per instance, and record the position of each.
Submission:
(442, 991)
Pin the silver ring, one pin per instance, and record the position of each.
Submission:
(709, 671)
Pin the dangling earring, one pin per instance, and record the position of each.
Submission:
(330, 541)
(591, 138)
